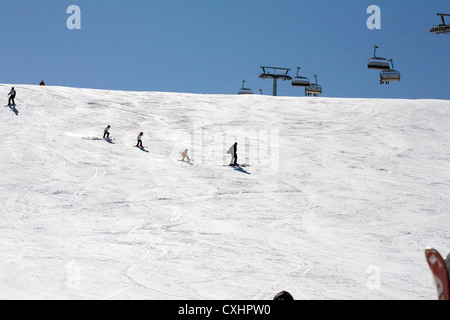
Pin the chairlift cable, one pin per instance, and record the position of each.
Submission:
(342, 70)
(403, 38)
(423, 49)
(227, 87)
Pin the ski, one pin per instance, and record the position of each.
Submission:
(236, 165)
(440, 273)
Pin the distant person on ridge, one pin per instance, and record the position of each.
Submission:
(12, 95)
(139, 140)
(42, 83)
(233, 152)
(106, 132)
(185, 155)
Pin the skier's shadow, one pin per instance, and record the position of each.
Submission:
(13, 109)
(143, 150)
(240, 169)
(109, 141)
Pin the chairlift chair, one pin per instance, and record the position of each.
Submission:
(378, 63)
(391, 75)
(299, 81)
(244, 90)
(314, 89)
(442, 28)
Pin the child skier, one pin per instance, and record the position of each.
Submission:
(185, 155)
(12, 95)
(139, 140)
(106, 132)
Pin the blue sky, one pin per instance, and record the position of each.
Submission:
(210, 46)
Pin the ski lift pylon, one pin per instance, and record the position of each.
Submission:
(442, 28)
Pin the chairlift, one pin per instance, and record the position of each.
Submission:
(244, 90)
(391, 75)
(442, 28)
(299, 81)
(314, 89)
(378, 63)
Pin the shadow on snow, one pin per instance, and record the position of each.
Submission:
(13, 109)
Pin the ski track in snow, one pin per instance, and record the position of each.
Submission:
(359, 183)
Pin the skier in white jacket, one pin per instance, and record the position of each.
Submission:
(139, 140)
(233, 152)
(106, 132)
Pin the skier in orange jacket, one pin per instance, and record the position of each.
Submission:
(185, 155)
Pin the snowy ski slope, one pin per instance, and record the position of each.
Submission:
(339, 201)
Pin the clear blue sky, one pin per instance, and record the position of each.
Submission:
(210, 46)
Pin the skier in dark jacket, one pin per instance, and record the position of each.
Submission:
(233, 152)
(12, 95)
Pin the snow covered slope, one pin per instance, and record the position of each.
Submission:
(339, 200)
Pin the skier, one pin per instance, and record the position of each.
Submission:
(42, 83)
(233, 152)
(185, 155)
(106, 132)
(139, 140)
(12, 95)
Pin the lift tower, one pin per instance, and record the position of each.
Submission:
(442, 28)
(275, 74)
